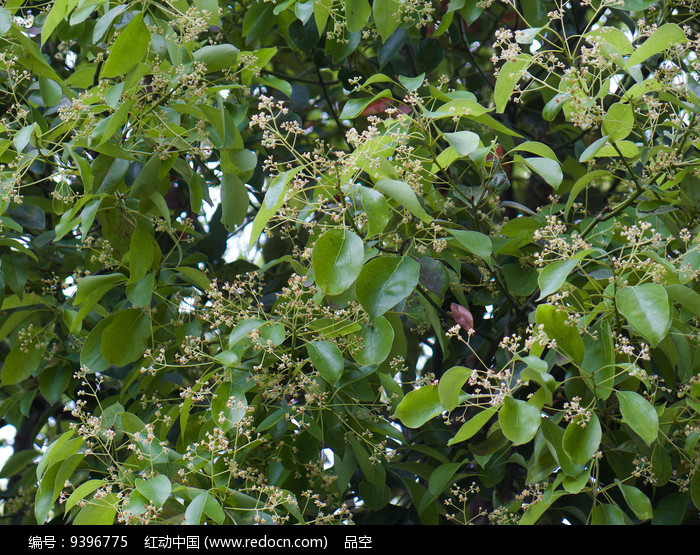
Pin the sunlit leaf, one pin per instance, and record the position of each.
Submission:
(129, 48)
(508, 76)
(384, 282)
(337, 257)
(639, 414)
(519, 420)
(419, 406)
(661, 39)
(327, 359)
(450, 386)
(582, 438)
(647, 310)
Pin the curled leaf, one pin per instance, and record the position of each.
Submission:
(462, 316)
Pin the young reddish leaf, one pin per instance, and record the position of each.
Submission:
(462, 316)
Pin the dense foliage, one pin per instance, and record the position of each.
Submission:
(334, 261)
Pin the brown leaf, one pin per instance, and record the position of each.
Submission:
(462, 316)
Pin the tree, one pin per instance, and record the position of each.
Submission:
(349, 261)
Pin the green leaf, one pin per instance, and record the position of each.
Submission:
(194, 276)
(213, 509)
(554, 275)
(441, 477)
(327, 359)
(550, 170)
(685, 297)
(377, 339)
(274, 199)
(240, 162)
(273, 333)
(98, 512)
(664, 37)
(140, 292)
(402, 193)
(104, 22)
(534, 147)
(384, 282)
(554, 436)
(303, 10)
(647, 310)
(147, 179)
(450, 386)
(91, 353)
(5, 21)
(355, 106)
(607, 515)
(125, 339)
(581, 184)
(202, 504)
(137, 504)
(15, 267)
(472, 426)
(329, 327)
(464, 142)
(582, 439)
(53, 479)
(217, 57)
(519, 420)
(234, 201)
(81, 491)
(362, 457)
(258, 20)
(598, 365)
(376, 209)
(575, 484)
(554, 106)
(52, 483)
(637, 5)
(476, 243)
(129, 423)
(557, 327)
(627, 149)
(695, 489)
(24, 136)
(229, 405)
(419, 406)
(228, 358)
(383, 12)
(461, 107)
(51, 92)
(61, 448)
(337, 259)
(21, 362)
(508, 77)
(533, 513)
(412, 83)
(636, 500)
(89, 284)
(322, 10)
(242, 329)
(140, 251)
(671, 510)
(157, 489)
(357, 13)
(639, 414)
(84, 11)
(614, 37)
(433, 275)
(17, 462)
(618, 121)
(58, 12)
(129, 48)
(593, 149)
